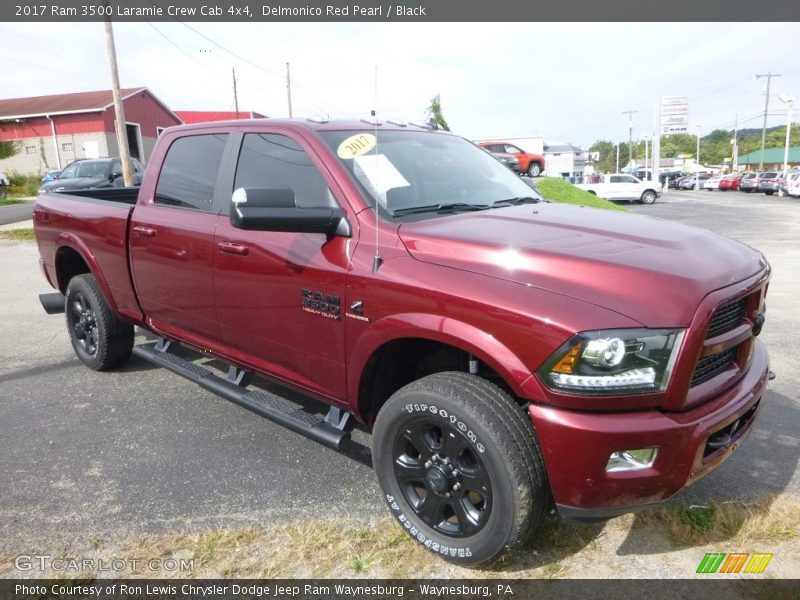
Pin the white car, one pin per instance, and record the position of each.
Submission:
(619, 186)
(793, 183)
(713, 183)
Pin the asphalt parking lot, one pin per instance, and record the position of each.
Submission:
(141, 450)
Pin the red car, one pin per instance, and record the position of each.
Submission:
(529, 163)
(730, 182)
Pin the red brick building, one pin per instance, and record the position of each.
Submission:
(52, 131)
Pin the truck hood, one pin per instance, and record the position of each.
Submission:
(653, 271)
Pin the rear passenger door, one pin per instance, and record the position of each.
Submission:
(172, 240)
(281, 295)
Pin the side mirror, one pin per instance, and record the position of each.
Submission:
(114, 176)
(274, 209)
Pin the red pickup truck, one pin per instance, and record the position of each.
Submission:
(509, 355)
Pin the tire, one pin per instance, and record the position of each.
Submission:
(462, 442)
(769, 193)
(534, 169)
(648, 197)
(98, 337)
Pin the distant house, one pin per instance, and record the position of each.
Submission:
(564, 160)
(52, 131)
(206, 116)
(773, 159)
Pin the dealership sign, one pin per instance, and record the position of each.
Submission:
(674, 114)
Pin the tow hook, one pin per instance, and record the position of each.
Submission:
(771, 375)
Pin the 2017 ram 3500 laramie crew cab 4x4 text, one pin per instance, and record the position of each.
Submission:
(510, 355)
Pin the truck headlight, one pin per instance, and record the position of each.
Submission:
(614, 361)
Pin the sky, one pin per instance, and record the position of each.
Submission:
(567, 82)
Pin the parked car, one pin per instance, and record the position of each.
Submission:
(793, 183)
(92, 173)
(730, 182)
(51, 175)
(509, 160)
(712, 183)
(620, 186)
(675, 182)
(769, 182)
(694, 181)
(668, 177)
(529, 163)
(749, 182)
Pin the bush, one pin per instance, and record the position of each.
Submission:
(24, 185)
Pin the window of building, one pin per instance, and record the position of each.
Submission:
(30, 149)
(189, 173)
(66, 146)
(269, 160)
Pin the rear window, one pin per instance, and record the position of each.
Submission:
(189, 173)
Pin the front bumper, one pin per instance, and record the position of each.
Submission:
(577, 446)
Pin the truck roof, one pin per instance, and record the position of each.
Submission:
(313, 125)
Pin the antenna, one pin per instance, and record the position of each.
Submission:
(377, 261)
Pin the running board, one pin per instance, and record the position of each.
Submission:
(331, 431)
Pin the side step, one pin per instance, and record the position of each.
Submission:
(330, 431)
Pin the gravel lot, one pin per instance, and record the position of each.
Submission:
(98, 455)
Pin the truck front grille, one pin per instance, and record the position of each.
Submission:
(727, 317)
(709, 367)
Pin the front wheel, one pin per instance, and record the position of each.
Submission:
(534, 169)
(100, 340)
(769, 193)
(459, 466)
(648, 197)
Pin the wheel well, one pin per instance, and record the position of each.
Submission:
(69, 264)
(592, 192)
(399, 362)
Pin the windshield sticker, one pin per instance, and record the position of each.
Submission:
(378, 175)
(356, 145)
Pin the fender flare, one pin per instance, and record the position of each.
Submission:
(446, 330)
(69, 240)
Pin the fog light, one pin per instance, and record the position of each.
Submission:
(631, 460)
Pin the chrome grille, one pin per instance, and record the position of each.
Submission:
(709, 367)
(727, 317)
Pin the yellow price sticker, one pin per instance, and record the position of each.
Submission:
(356, 145)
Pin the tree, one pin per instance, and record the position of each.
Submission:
(8, 149)
(608, 155)
(435, 110)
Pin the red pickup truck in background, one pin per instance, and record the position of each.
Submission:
(529, 163)
(509, 355)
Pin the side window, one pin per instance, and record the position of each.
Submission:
(269, 160)
(512, 149)
(628, 179)
(189, 173)
(616, 178)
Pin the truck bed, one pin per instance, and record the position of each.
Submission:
(92, 224)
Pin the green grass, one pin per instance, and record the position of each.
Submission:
(24, 185)
(10, 201)
(20, 235)
(561, 191)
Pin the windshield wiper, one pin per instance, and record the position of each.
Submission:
(517, 200)
(452, 207)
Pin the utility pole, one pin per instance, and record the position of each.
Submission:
(769, 77)
(235, 94)
(630, 133)
(289, 89)
(122, 134)
(735, 142)
(617, 171)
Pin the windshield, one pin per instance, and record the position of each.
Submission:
(403, 170)
(94, 169)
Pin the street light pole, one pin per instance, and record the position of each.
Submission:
(646, 176)
(788, 100)
(617, 171)
(769, 77)
(697, 161)
(630, 134)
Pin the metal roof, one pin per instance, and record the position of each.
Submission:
(771, 156)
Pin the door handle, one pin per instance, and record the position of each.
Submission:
(143, 231)
(233, 248)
